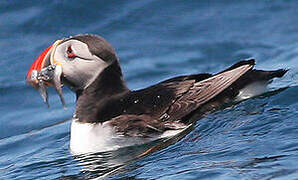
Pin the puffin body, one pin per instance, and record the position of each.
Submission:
(109, 115)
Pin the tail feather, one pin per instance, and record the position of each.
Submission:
(252, 83)
(258, 75)
(261, 75)
(278, 73)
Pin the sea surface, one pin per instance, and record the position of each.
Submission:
(154, 40)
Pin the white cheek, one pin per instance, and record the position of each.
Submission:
(93, 70)
(80, 72)
(82, 50)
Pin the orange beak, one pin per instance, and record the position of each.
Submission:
(39, 63)
(40, 69)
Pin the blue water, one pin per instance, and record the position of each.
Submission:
(155, 40)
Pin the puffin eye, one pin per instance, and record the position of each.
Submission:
(70, 53)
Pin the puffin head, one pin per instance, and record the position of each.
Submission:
(74, 61)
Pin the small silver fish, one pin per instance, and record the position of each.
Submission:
(49, 75)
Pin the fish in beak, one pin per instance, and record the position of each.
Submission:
(44, 72)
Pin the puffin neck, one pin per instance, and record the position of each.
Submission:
(107, 84)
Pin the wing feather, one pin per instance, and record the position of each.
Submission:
(186, 96)
(203, 91)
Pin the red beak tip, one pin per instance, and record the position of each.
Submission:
(39, 62)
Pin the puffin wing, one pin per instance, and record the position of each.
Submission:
(178, 97)
(203, 91)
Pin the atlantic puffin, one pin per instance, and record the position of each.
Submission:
(109, 115)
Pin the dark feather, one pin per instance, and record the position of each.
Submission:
(205, 90)
(139, 126)
(166, 105)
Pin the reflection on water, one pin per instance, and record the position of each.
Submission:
(102, 164)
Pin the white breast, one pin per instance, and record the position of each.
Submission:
(90, 138)
(87, 137)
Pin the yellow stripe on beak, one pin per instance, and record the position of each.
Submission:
(52, 59)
